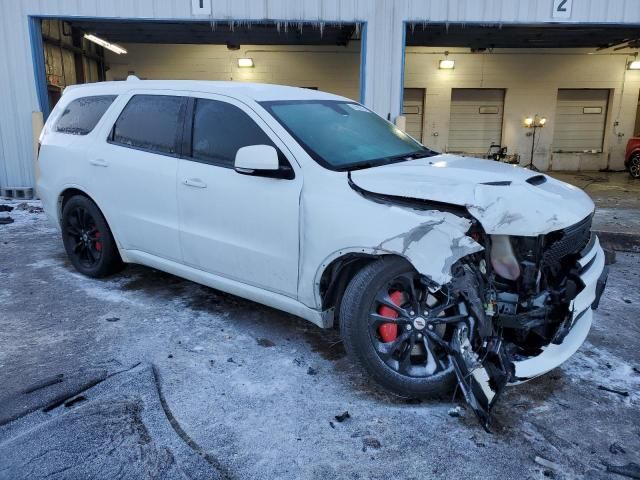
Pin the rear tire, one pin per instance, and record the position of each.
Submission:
(360, 305)
(88, 240)
(634, 165)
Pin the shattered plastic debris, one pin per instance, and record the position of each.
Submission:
(342, 417)
(455, 411)
(616, 448)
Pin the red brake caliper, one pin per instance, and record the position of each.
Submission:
(98, 242)
(389, 331)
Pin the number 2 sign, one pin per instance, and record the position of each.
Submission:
(562, 8)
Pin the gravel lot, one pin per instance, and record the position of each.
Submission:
(145, 375)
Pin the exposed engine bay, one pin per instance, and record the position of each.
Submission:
(510, 268)
(518, 297)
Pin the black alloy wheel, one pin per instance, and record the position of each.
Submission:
(87, 238)
(81, 230)
(397, 329)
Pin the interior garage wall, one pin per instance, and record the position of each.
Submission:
(531, 80)
(384, 46)
(332, 69)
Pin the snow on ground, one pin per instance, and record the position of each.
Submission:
(254, 392)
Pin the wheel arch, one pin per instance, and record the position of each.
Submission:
(338, 270)
(632, 153)
(64, 197)
(72, 191)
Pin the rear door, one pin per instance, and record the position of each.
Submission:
(241, 227)
(134, 173)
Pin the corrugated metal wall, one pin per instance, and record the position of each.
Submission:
(384, 43)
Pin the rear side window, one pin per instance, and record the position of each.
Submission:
(83, 114)
(220, 130)
(151, 122)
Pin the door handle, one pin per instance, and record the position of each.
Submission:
(194, 182)
(98, 162)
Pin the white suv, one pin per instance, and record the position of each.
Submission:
(435, 267)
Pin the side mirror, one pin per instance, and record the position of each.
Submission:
(256, 160)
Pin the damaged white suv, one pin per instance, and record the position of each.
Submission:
(435, 267)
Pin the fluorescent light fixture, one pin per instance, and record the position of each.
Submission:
(635, 65)
(447, 64)
(103, 43)
(245, 62)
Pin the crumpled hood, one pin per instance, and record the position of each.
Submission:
(496, 194)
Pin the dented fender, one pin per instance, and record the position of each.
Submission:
(432, 240)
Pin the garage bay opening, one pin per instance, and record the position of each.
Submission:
(323, 56)
(483, 89)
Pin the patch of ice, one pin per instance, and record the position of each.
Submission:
(600, 367)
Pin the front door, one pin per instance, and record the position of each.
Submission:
(241, 227)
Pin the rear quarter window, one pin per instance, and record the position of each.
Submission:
(82, 114)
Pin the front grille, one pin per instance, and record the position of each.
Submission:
(569, 241)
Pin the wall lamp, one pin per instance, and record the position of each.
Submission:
(103, 43)
(245, 63)
(446, 63)
(634, 65)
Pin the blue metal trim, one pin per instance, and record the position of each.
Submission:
(363, 62)
(37, 56)
(199, 19)
(404, 48)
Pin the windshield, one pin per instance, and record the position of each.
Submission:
(343, 135)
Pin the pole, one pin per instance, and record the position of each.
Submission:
(531, 166)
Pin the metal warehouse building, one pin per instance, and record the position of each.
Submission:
(460, 75)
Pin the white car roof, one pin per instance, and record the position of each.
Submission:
(258, 92)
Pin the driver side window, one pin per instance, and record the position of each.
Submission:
(220, 130)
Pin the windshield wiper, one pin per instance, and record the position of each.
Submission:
(388, 160)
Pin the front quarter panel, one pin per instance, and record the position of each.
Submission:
(336, 220)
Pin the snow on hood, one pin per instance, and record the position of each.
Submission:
(496, 194)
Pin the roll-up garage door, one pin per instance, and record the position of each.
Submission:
(476, 119)
(412, 109)
(580, 120)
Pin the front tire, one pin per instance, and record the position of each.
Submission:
(403, 359)
(87, 239)
(634, 166)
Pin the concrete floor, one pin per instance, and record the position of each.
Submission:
(617, 198)
(169, 379)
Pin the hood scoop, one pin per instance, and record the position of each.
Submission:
(536, 180)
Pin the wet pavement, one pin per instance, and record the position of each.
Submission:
(145, 375)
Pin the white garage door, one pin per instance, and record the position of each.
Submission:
(476, 119)
(580, 120)
(413, 109)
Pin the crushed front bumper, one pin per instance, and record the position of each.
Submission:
(593, 275)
